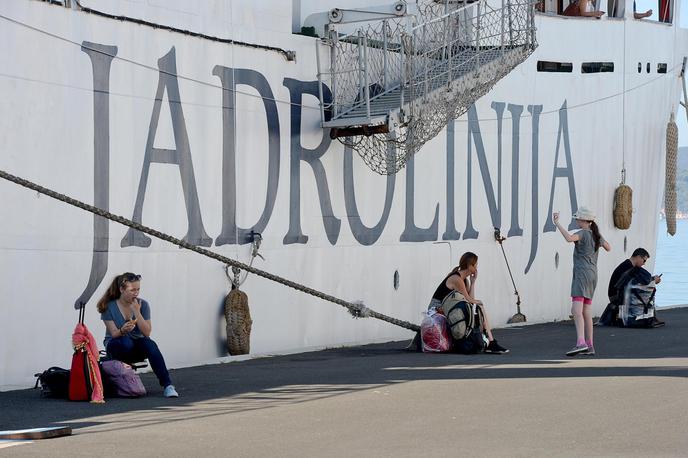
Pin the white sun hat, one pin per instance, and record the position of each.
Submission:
(585, 214)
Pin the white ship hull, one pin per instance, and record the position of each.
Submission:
(563, 138)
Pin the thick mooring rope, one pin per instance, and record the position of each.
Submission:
(357, 310)
(670, 180)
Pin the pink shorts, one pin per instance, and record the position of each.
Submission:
(582, 299)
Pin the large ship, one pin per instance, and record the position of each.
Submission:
(206, 121)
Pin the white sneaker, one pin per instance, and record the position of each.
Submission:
(170, 392)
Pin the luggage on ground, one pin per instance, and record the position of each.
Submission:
(54, 382)
(119, 379)
(84, 381)
(434, 333)
(464, 322)
(638, 309)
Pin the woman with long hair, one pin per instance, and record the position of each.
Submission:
(128, 328)
(588, 241)
(462, 279)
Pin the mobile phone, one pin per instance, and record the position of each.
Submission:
(660, 275)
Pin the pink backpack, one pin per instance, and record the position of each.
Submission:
(121, 380)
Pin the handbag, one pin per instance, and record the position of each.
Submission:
(54, 382)
(121, 380)
(80, 384)
(84, 378)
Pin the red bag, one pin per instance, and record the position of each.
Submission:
(84, 380)
(434, 333)
(80, 385)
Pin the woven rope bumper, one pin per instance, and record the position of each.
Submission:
(670, 181)
(623, 206)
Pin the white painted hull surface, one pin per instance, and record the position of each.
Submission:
(52, 134)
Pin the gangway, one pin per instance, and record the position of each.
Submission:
(405, 71)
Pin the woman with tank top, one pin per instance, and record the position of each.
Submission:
(462, 279)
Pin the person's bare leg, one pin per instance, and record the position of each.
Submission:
(587, 324)
(486, 323)
(578, 320)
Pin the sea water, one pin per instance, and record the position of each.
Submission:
(672, 261)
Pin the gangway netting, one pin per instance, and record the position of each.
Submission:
(397, 82)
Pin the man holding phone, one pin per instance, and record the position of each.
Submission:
(642, 276)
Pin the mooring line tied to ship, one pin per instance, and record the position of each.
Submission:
(357, 310)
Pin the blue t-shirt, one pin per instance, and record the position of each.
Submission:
(113, 314)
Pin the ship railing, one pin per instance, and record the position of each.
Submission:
(402, 79)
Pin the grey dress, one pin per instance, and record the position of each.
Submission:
(584, 265)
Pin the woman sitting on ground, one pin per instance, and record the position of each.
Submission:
(128, 328)
(463, 279)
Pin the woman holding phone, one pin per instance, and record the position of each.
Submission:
(128, 328)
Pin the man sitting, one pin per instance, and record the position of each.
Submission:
(630, 269)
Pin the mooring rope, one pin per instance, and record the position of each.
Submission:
(357, 310)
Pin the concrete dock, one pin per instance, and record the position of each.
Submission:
(381, 401)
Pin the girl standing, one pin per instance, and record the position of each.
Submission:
(587, 244)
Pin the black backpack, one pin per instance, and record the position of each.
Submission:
(54, 382)
(475, 341)
(465, 324)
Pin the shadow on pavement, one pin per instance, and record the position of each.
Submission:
(536, 352)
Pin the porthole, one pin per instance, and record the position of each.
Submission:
(648, 67)
(396, 280)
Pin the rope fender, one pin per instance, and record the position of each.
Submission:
(670, 180)
(357, 310)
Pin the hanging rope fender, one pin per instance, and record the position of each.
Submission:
(238, 315)
(670, 179)
(623, 204)
(357, 310)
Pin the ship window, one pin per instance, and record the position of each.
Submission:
(660, 10)
(661, 68)
(597, 67)
(615, 8)
(648, 67)
(560, 67)
(640, 67)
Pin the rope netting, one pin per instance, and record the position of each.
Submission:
(417, 78)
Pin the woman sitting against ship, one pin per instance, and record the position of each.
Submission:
(462, 279)
(128, 328)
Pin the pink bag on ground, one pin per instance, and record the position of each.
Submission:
(121, 380)
(434, 333)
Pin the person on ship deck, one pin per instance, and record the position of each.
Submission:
(583, 8)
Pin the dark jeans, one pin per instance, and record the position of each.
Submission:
(130, 350)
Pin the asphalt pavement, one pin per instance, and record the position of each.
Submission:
(631, 399)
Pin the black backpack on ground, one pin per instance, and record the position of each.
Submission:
(474, 342)
(465, 323)
(54, 382)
